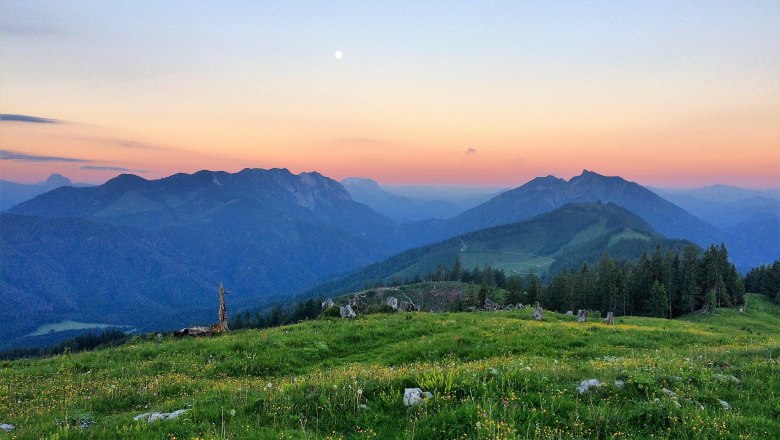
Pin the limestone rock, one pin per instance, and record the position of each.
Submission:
(610, 319)
(328, 303)
(347, 312)
(415, 396)
(582, 315)
(153, 417)
(726, 378)
(538, 312)
(392, 302)
(587, 385)
(569, 313)
(7, 427)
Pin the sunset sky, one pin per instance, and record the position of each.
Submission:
(490, 93)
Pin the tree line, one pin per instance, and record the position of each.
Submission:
(664, 283)
(765, 280)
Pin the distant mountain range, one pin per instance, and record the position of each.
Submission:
(544, 194)
(151, 253)
(556, 240)
(12, 193)
(750, 219)
(140, 244)
(399, 208)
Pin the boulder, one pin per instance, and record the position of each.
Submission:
(582, 315)
(538, 312)
(347, 312)
(193, 331)
(610, 319)
(569, 313)
(328, 303)
(415, 396)
(392, 302)
(587, 385)
(726, 378)
(7, 427)
(153, 417)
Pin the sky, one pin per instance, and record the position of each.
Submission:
(675, 94)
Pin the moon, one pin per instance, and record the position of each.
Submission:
(338, 55)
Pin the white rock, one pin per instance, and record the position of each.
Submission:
(415, 396)
(726, 378)
(586, 385)
(153, 417)
(669, 392)
(7, 427)
(724, 404)
(347, 312)
(392, 302)
(619, 383)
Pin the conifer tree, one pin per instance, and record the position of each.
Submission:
(658, 301)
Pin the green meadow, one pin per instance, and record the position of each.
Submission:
(493, 375)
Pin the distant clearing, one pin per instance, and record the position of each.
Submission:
(69, 325)
(511, 261)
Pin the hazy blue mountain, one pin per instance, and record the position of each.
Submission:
(12, 193)
(547, 243)
(718, 193)
(749, 218)
(399, 208)
(465, 197)
(544, 194)
(264, 233)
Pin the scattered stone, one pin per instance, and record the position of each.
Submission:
(611, 358)
(153, 417)
(726, 378)
(569, 313)
(392, 302)
(538, 312)
(586, 385)
(415, 396)
(7, 427)
(669, 392)
(582, 315)
(328, 303)
(724, 404)
(619, 383)
(610, 319)
(159, 336)
(193, 331)
(407, 306)
(347, 312)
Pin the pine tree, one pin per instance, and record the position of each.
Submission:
(482, 295)
(513, 290)
(658, 301)
(457, 270)
(533, 292)
(689, 288)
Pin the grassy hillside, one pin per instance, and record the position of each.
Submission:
(561, 239)
(492, 375)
